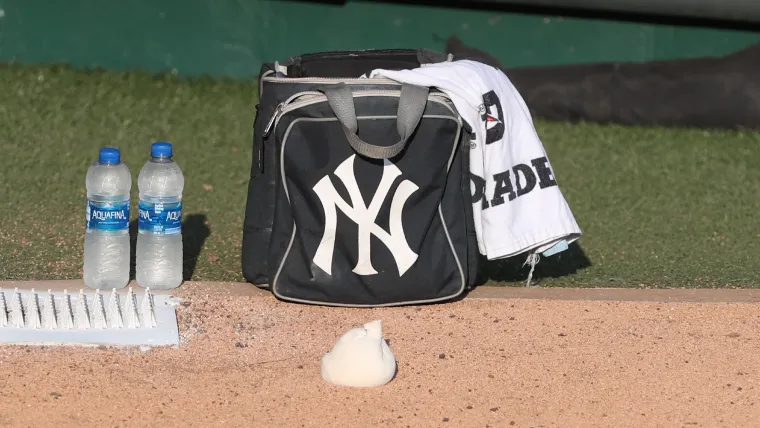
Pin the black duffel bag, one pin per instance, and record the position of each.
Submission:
(360, 188)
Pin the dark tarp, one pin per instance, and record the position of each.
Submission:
(709, 92)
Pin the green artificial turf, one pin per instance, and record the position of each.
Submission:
(658, 207)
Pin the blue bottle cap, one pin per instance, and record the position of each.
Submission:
(109, 155)
(161, 149)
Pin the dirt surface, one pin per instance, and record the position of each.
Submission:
(249, 360)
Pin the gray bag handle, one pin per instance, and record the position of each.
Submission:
(411, 105)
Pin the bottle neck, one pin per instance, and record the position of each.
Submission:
(161, 159)
(158, 199)
(100, 198)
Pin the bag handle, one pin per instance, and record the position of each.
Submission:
(411, 105)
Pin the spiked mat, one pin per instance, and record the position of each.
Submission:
(32, 318)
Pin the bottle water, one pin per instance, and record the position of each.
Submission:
(159, 237)
(106, 239)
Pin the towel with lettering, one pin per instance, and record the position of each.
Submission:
(517, 202)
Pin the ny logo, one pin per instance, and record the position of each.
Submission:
(364, 216)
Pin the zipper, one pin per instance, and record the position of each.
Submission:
(271, 121)
(281, 106)
(314, 97)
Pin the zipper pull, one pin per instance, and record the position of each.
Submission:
(277, 111)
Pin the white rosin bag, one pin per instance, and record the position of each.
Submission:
(360, 358)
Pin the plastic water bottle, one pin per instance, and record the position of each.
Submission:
(159, 238)
(106, 239)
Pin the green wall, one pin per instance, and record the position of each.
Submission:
(232, 37)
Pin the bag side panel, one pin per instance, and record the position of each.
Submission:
(457, 209)
(465, 191)
(259, 209)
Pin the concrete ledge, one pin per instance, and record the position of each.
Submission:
(72, 285)
(697, 295)
(702, 295)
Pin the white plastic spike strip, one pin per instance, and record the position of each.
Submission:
(148, 311)
(67, 315)
(17, 310)
(3, 310)
(83, 312)
(33, 311)
(133, 319)
(52, 318)
(114, 311)
(48, 313)
(100, 320)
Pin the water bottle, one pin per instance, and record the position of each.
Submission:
(106, 239)
(159, 237)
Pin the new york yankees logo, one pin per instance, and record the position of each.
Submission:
(364, 216)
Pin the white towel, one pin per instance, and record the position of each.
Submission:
(519, 206)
